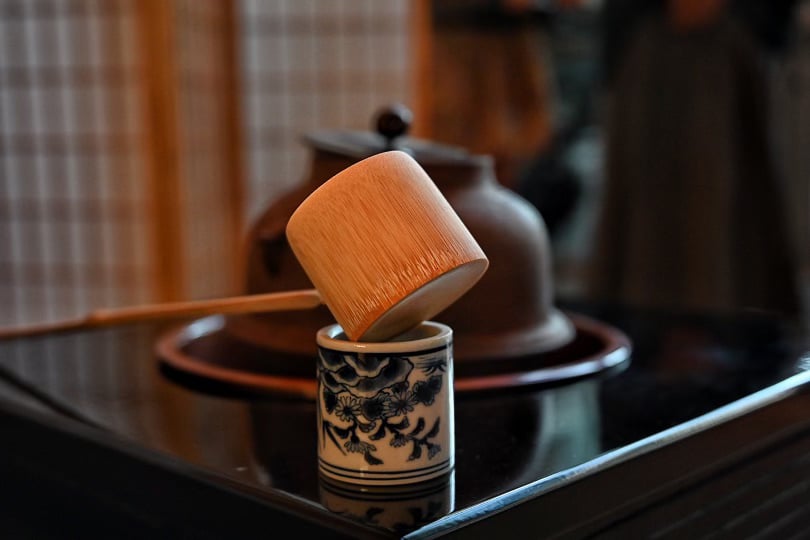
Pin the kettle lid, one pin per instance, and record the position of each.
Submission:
(391, 126)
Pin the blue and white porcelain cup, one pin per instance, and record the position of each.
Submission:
(385, 409)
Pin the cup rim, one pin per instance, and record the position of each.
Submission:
(438, 335)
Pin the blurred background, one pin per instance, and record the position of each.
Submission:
(663, 142)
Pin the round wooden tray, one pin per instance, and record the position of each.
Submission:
(206, 351)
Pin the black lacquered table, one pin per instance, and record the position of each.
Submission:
(704, 430)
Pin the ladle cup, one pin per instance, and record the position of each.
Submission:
(380, 243)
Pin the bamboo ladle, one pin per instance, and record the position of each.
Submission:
(380, 243)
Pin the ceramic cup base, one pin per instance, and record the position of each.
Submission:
(385, 409)
(396, 508)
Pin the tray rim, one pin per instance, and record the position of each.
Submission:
(169, 349)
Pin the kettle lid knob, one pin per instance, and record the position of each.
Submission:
(393, 121)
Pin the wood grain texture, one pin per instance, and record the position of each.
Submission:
(162, 142)
(253, 303)
(374, 236)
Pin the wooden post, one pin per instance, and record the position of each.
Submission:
(422, 48)
(161, 144)
(233, 147)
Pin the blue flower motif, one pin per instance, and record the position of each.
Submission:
(399, 440)
(357, 446)
(401, 403)
(375, 407)
(348, 408)
(425, 391)
(362, 375)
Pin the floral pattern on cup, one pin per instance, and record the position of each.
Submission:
(385, 409)
(372, 394)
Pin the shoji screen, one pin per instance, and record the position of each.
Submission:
(139, 138)
(119, 180)
(73, 232)
(316, 64)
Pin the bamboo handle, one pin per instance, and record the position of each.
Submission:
(279, 301)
